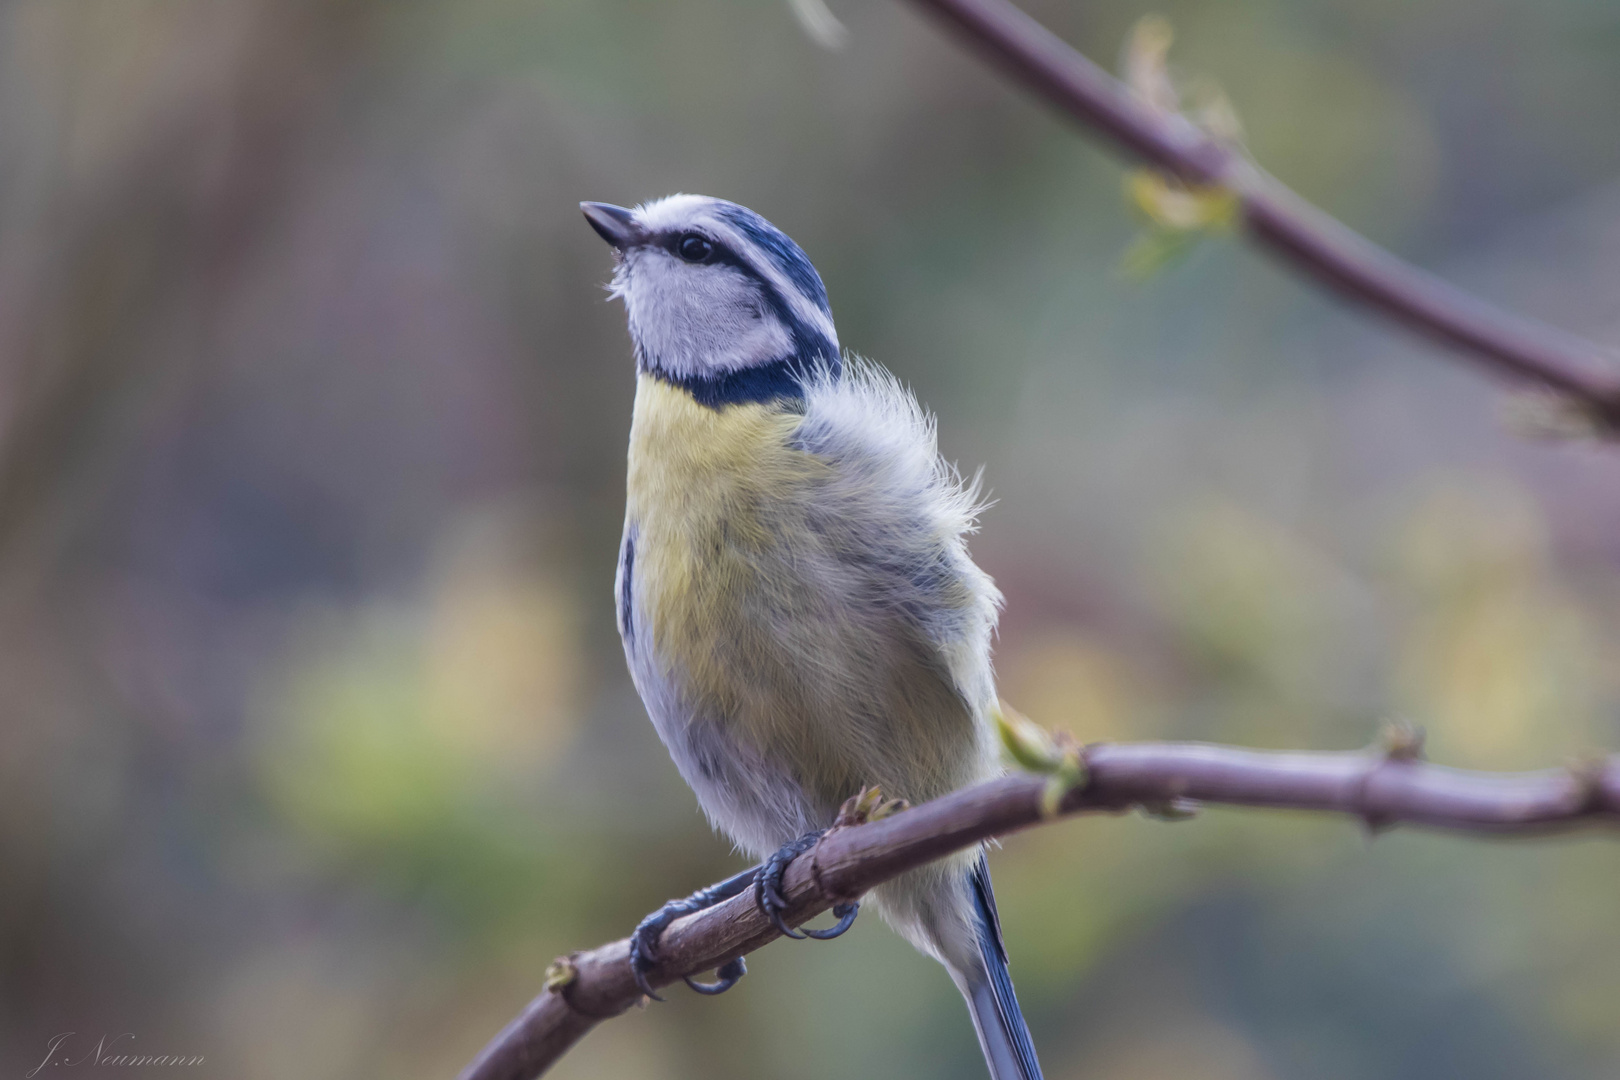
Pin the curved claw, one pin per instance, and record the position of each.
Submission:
(726, 976)
(771, 902)
(846, 918)
(768, 884)
(774, 913)
(644, 951)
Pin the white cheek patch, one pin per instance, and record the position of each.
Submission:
(708, 216)
(698, 320)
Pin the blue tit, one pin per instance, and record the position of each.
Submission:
(798, 607)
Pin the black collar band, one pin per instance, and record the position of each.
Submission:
(779, 380)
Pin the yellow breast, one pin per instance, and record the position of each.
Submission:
(765, 626)
(712, 493)
(691, 463)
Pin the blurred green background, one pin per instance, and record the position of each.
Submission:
(317, 743)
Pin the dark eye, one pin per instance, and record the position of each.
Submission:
(694, 248)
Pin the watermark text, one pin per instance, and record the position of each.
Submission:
(118, 1051)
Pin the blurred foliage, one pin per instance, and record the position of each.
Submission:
(319, 744)
(1176, 215)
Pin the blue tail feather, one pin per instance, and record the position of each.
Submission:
(1009, 1050)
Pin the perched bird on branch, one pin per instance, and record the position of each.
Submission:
(796, 600)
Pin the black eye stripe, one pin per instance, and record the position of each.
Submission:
(721, 255)
(671, 242)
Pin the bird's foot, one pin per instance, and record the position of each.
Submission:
(725, 977)
(768, 891)
(644, 941)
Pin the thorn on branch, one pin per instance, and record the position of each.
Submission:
(1171, 810)
(1398, 742)
(1554, 417)
(1401, 740)
(1588, 773)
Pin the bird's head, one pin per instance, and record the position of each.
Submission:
(719, 299)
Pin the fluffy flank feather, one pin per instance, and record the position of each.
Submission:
(912, 505)
(870, 418)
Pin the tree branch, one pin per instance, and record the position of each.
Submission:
(1284, 223)
(1381, 787)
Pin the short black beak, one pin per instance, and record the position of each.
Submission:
(612, 223)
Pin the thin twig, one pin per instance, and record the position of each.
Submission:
(1283, 222)
(1380, 787)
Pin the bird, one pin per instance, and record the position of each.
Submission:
(798, 607)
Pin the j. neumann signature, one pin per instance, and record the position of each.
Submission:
(118, 1051)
